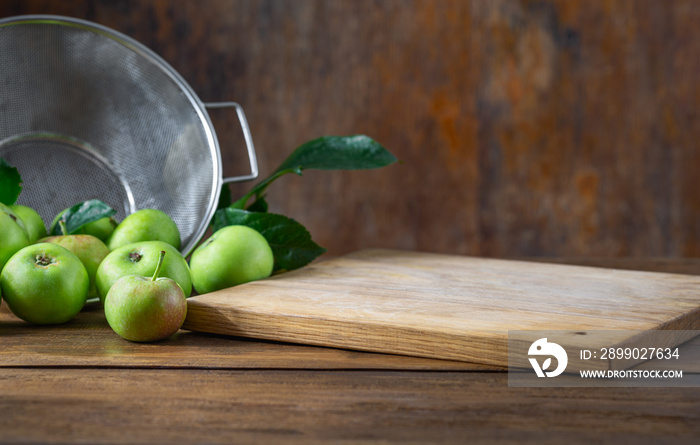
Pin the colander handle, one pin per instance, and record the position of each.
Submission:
(248, 141)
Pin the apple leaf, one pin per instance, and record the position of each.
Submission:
(81, 214)
(224, 197)
(339, 153)
(259, 205)
(291, 243)
(326, 153)
(10, 183)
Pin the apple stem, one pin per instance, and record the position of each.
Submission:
(160, 264)
(62, 225)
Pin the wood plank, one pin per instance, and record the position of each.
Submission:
(88, 341)
(257, 406)
(444, 306)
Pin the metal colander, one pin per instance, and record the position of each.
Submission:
(87, 112)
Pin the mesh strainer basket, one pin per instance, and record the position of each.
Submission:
(87, 112)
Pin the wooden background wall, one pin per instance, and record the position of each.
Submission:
(525, 128)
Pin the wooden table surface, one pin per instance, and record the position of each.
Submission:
(80, 382)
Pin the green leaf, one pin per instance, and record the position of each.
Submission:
(339, 153)
(81, 214)
(259, 205)
(327, 153)
(291, 243)
(10, 183)
(225, 197)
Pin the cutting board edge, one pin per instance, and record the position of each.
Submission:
(279, 328)
(466, 348)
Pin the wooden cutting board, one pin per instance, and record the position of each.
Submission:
(443, 306)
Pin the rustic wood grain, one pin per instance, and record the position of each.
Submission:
(88, 341)
(525, 128)
(446, 306)
(214, 406)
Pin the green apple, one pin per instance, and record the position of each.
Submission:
(102, 228)
(32, 222)
(13, 235)
(141, 259)
(89, 249)
(145, 225)
(146, 309)
(232, 255)
(44, 284)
